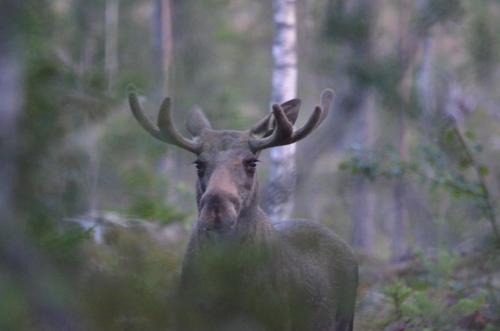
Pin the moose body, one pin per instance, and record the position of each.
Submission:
(240, 271)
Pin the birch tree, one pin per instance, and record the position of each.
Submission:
(278, 200)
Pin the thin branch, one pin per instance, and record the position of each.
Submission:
(490, 209)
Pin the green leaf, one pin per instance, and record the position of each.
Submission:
(449, 136)
(484, 170)
(464, 163)
(466, 306)
(491, 327)
(470, 134)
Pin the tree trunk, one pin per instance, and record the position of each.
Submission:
(353, 107)
(10, 109)
(111, 47)
(428, 230)
(363, 209)
(87, 16)
(407, 50)
(163, 43)
(21, 264)
(278, 197)
(172, 165)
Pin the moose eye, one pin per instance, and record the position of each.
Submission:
(200, 168)
(251, 165)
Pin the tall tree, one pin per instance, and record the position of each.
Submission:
(406, 56)
(362, 13)
(111, 47)
(363, 203)
(163, 43)
(279, 192)
(22, 264)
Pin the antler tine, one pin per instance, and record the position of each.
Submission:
(319, 114)
(326, 100)
(281, 135)
(170, 133)
(313, 121)
(142, 118)
(284, 134)
(167, 131)
(262, 126)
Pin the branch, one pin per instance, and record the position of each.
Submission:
(490, 209)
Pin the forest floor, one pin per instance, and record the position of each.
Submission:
(437, 291)
(442, 290)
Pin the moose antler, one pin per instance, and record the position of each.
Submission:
(166, 130)
(283, 132)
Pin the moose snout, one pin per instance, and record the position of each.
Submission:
(218, 211)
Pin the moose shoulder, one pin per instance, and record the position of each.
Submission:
(240, 271)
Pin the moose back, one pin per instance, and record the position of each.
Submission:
(240, 271)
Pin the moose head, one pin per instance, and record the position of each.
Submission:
(227, 159)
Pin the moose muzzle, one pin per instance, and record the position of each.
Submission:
(218, 211)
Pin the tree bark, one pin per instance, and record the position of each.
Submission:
(87, 16)
(407, 51)
(163, 43)
(111, 47)
(363, 209)
(278, 196)
(21, 263)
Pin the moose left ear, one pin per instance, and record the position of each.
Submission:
(197, 122)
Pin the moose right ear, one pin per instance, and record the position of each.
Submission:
(197, 122)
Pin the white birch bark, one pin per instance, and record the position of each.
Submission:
(279, 197)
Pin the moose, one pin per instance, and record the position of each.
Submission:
(241, 271)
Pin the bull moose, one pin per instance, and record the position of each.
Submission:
(241, 271)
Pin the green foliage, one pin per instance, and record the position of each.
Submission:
(147, 208)
(13, 306)
(343, 25)
(64, 245)
(130, 283)
(132, 169)
(459, 175)
(447, 292)
(397, 293)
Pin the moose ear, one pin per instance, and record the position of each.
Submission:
(265, 126)
(197, 122)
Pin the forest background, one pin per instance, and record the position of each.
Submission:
(96, 214)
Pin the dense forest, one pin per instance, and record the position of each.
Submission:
(96, 214)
